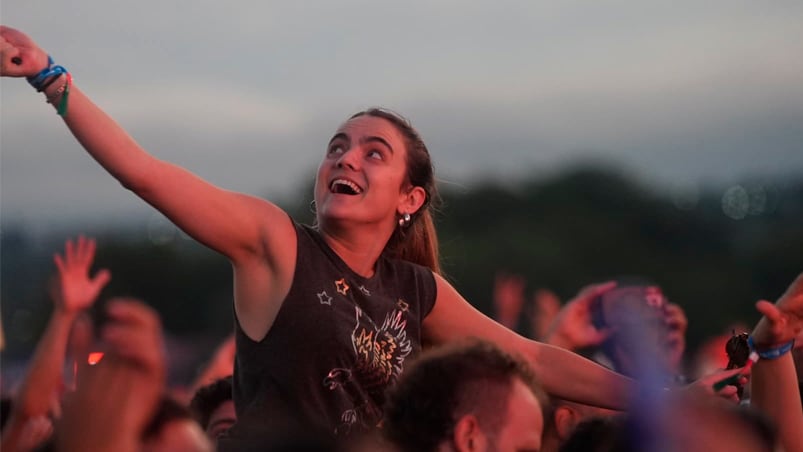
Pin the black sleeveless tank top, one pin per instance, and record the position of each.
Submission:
(338, 341)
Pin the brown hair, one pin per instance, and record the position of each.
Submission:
(418, 241)
(444, 384)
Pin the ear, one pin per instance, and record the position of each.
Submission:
(565, 421)
(467, 436)
(411, 200)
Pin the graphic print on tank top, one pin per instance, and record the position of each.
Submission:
(379, 353)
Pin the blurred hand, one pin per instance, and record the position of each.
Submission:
(19, 55)
(508, 298)
(782, 321)
(675, 342)
(75, 290)
(705, 385)
(545, 308)
(572, 328)
(117, 398)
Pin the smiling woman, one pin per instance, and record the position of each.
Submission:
(326, 317)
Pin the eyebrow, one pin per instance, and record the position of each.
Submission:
(339, 136)
(370, 139)
(375, 139)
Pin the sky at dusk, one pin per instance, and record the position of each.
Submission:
(247, 93)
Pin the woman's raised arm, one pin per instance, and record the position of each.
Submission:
(231, 223)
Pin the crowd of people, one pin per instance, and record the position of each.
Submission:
(348, 337)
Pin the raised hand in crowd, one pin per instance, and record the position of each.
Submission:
(774, 387)
(572, 328)
(116, 399)
(74, 291)
(508, 298)
(545, 307)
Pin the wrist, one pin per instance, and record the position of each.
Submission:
(61, 312)
(770, 350)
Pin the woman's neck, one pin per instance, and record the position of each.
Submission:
(359, 248)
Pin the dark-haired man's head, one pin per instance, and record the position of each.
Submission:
(173, 429)
(213, 407)
(466, 397)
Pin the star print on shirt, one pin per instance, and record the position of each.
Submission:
(324, 298)
(342, 287)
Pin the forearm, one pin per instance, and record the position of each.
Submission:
(774, 390)
(572, 377)
(46, 368)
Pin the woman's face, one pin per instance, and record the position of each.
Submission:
(362, 178)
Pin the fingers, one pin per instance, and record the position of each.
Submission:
(101, 279)
(78, 254)
(589, 293)
(770, 311)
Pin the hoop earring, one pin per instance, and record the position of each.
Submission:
(404, 221)
(313, 207)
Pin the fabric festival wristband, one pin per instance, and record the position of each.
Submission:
(771, 352)
(52, 69)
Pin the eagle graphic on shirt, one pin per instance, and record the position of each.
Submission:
(380, 352)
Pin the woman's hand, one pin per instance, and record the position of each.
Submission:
(19, 55)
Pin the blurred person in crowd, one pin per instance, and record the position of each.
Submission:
(687, 424)
(213, 407)
(562, 417)
(119, 403)
(633, 319)
(467, 397)
(174, 429)
(364, 284)
(509, 303)
(37, 402)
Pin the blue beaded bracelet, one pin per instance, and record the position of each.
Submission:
(771, 352)
(52, 69)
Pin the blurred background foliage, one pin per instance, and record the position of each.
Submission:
(714, 250)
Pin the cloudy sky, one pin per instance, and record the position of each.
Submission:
(247, 93)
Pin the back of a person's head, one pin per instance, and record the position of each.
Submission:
(210, 397)
(447, 383)
(599, 434)
(173, 428)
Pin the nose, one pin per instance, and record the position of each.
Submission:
(349, 158)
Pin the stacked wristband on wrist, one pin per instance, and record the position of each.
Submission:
(771, 352)
(47, 77)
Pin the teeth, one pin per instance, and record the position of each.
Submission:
(354, 187)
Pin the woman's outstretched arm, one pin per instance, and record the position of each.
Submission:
(255, 235)
(231, 223)
(561, 372)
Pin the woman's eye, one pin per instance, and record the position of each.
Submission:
(336, 149)
(374, 154)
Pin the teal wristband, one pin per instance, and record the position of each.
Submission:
(771, 352)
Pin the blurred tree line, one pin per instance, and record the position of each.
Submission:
(714, 251)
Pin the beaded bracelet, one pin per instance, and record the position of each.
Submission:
(771, 352)
(64, 92)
